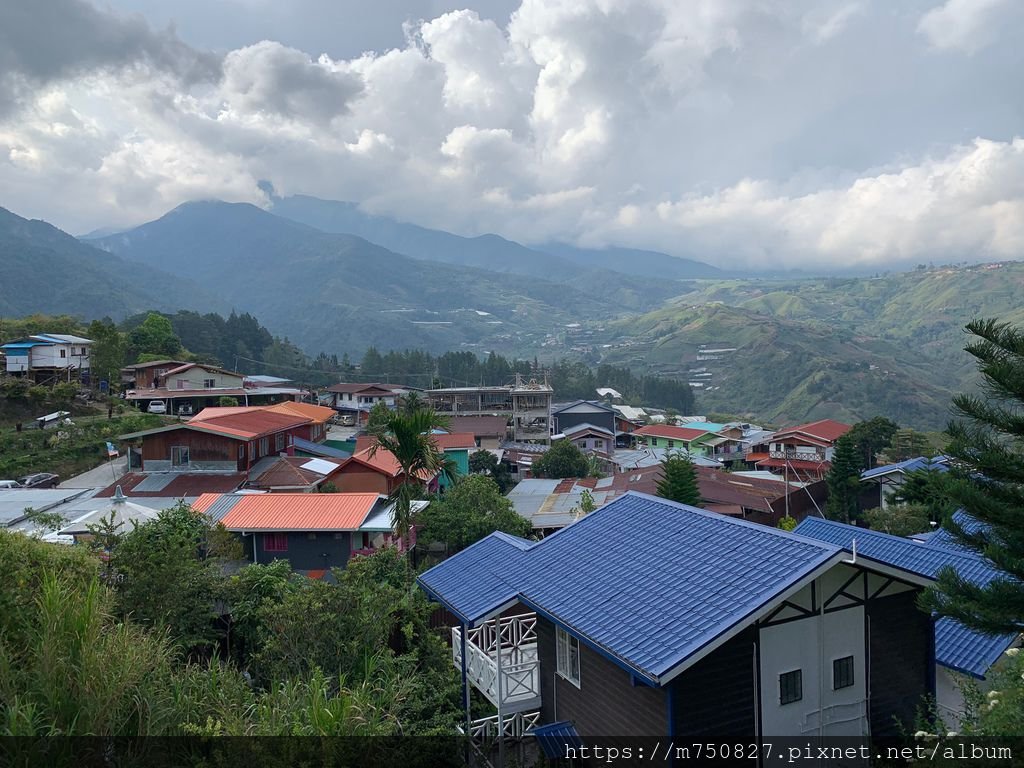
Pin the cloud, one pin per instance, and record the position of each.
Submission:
(796, 132)
(964, 25)
(47, 40)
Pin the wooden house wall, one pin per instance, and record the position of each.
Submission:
(202, 447)
(607, 703)
(356, 478)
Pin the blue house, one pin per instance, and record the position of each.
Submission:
(648, 618)
(959, 651)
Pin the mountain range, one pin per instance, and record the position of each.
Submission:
(335, 279)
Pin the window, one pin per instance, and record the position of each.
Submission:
(179, 456)
(264, 446)
(671, 443)
(842, 673)
(241, 451)
(209, 383)
(567, 652)
(182, 383)
(275, 542)
(63, 353)
(791, 686)
(279, 442)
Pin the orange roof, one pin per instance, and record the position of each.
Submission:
(318, 414)
(249, 424)
(204, 501)
(455, 441)
(300, 511)
(215, 412)
(383, 461)
(672, 433)
(828, 430)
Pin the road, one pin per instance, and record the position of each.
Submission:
(100, 477)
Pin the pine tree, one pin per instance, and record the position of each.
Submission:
(986, 480)
(843, 481)
(678, 480)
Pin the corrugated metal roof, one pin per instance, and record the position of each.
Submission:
(319, 449)
(910, 465)
(318, 414)
(687, 577)
(250, 424)
(298, 511)
(671, 433)
(956, 646)
(828, 430)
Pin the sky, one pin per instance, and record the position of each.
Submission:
(746, 133)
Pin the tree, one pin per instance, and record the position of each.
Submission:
(908, 444)
(899, 519)
(378, 417)
(871, 437)
(678, 481)
(986, 452)
(107, 355)
(483, 462)
(409, 438)
(923, 488)
(155, 336)
(562, 459)
(843, 480)
(470, 510)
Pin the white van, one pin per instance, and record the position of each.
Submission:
(157, 406)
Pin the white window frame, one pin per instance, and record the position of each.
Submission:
(567, 656)
(209, 383)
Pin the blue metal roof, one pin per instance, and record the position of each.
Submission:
(319, 449)
(645, 581)
(956, 646)
(554, 738)
(910, 465)
(707, 426)
(26, 344)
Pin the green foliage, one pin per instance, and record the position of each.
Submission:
(788, 523)
(900, 519)
(985, 479)
(871, 437)
(108, 353)
(924, 488)
(483, 462)
(908, 444)
(562, 459)
(678, 480)
(168, 574)
(843, 480)
(468, 511)
(155, 336)
(378, 417)
(587, 503)
(227, 401)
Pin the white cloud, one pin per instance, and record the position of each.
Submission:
(965, 25)
(733, 130)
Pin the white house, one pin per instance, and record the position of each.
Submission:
(47, 352)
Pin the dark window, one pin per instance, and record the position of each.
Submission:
(671, 443)
(842, 673)
(279, 442)
(275, 542)
(791, 686)
(63, 353)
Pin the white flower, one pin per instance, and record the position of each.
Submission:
(992, 704)
(993, 694)
(1012, 651)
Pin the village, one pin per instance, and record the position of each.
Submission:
(617, 624)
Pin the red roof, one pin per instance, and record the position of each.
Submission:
(672, 433)
(372, 389)
(825, 429)
(815, 466)
(455, 441)
(300, 511)
(287, 472)
(382, 461)
(184, 484)
(249, 424)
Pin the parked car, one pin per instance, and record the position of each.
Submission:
(9, 484)
(347, 420)
(157, 406)
(39, 480)
(185, 409)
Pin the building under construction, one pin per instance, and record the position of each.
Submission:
(526, 402)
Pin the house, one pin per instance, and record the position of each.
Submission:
(360, 398)
(641, 457)
(147, 375)
(489, 432)
(45, 355)
(231, 442)
(369, 471)
(271, 389)
(456, 447)
(959, 652)
(188, 388)
(589, 439)
(803, 452)
(314, 430)
(591, 412)
(759, 500)
(692, 441)
(526, 403)
(652, 619)
(291, 474)
(878, 482)
(314, 532)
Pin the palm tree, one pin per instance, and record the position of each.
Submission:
(409, 437)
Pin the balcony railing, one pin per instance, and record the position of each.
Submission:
(484, 730)
(517, 684)
(814, 456)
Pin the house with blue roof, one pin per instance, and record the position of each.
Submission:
(705, 627)
(879, 482)
(959, 651)
(46, 354)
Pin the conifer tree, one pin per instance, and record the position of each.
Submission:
(843, 481)
(678, 480)
(986, 480)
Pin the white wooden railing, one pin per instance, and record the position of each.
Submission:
(516, 636)
(484, 730)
